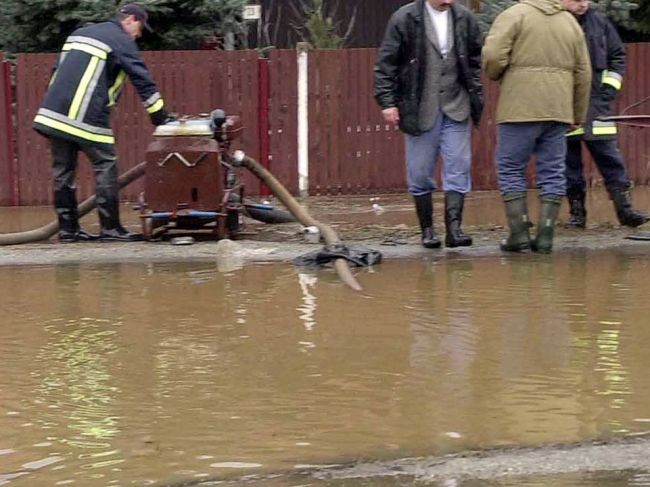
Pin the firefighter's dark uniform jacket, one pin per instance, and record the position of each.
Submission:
(87, 81)
(607, 54)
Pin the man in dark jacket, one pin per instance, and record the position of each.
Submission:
(607, 54)
(427, 80)
(75, 115)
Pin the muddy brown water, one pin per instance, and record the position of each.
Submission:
(163, 374)
(482, 209)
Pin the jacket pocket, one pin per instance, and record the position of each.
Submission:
(408, 115)
(407, 78)
(475, 106)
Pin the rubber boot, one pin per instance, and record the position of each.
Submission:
(109, 219)
(65, 204)
(454, 203)
(627, 216)
(517, 215)
(577, 210)
(549, 208)
(424, 210)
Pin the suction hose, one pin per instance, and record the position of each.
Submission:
(301, 214)
(46, 231)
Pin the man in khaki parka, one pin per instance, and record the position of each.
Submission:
(537, 51)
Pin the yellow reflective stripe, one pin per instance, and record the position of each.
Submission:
(604, 131)
(156, 106)
(83, 87)
(578, 131)
(121, 76)
(612, 79)
(77, 132)
(93, 51)
(613, 82)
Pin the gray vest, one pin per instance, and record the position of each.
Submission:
(442, 91)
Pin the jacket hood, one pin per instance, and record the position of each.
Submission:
(548, 7)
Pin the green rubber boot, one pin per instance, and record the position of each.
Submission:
(517, 214)
(549, 208)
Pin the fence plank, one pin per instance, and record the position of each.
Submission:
(283, 117)
(7, 137)
(636, 88)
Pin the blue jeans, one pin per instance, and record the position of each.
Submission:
(450, 139)
(517, 142)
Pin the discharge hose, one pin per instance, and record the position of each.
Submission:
(301, 214)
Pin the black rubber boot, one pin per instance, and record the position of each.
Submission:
(119, 234)
(549, 208)
(517, 215)
(424, 209)
(454, 203)
(577, 210)
(78, 236)
(627, 216)
(65, 204)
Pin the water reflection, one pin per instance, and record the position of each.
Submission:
(168, 372)
(308, 307)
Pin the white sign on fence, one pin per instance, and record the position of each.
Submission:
(252, 12)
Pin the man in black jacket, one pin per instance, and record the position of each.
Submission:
(427, 80)
(75, 115)
(607, 54)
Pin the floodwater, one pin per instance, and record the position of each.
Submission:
(173, 374)
(482, 209)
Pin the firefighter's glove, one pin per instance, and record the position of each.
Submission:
(609, 93)
(161, 117)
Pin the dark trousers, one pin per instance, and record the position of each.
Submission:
(65, 155)
(608, 159)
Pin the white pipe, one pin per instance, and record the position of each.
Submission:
(303, 118)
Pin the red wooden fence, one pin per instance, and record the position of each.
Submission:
(351, 150)
(635, 141)
(8, 194)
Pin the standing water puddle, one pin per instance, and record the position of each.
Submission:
(162, 374)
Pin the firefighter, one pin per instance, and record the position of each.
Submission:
(607, 54)
(75, 116)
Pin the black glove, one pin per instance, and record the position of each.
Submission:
(608, 92)
(161, 117)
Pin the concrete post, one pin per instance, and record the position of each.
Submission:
(302, 49)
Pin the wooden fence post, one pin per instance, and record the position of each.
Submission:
(8, 181)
